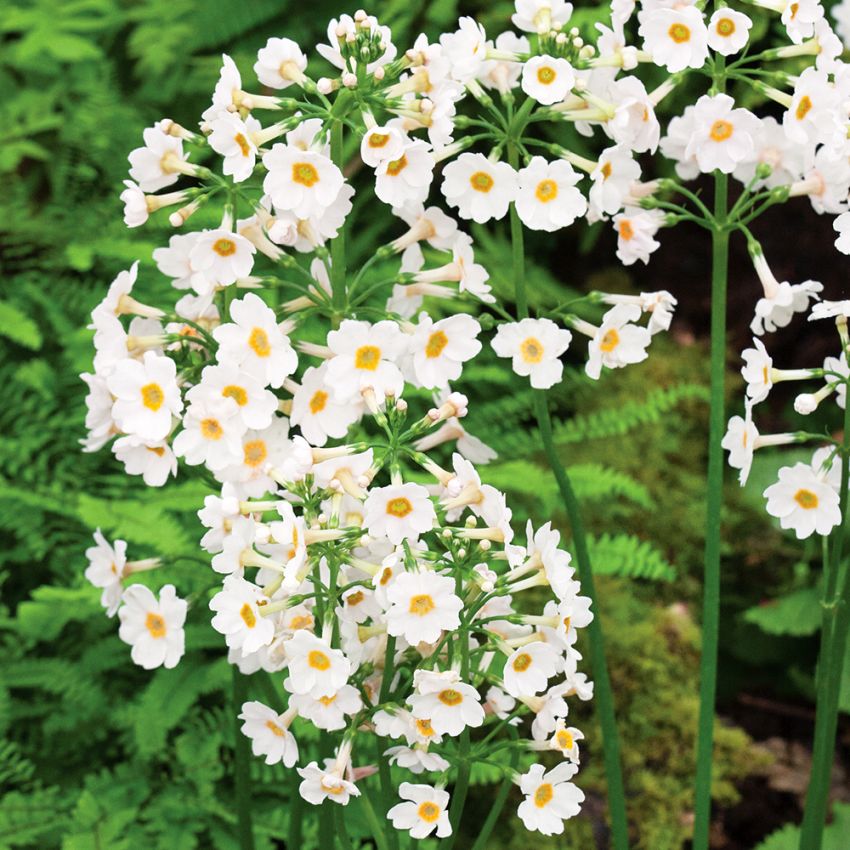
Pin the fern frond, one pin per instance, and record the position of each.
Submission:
(627, 556)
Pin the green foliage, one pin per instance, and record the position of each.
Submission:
(797, 614)
(625, 556)
(834, 837)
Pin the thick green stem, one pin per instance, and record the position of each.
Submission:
(714, 503)
(242, 766)
(834, 633)
(603, 695)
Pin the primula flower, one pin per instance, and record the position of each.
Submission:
(541, 15)
(722, 136)
(547, 79)
(613, 177)
(159, 163)
(233, 138)
(280, 63)
(328, 712)
(211, 435)
(617, 342)
(438, 350)
(269, 733)
(255, 405)
(534, 346)
(399, 512)
(480, 189)
(153, 628)
(422, 605)
(154, 461)
(407, 178)
(728, 31)
(425, 810)
(451, 706)
(550, 798)
(528, 669)
(301, 181)
(803, 501)
(316, 411)
(314, 667)
(106, 569)
(636, 231)
(465, 49)
(547, 197)
(675, 38)
(220, 257)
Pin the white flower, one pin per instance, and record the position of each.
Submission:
(212, 432)
(105, 569)
(159, 162)
(153, 628)
(503, 74)
(316, 411)
(815, 106)
(314, 667)
(550, 798)
(279, 64)
(399, 512)
(426, 811)
(255, 405)
(803, 501)
(365, 356)
(841, 225)
(304, 182)
(237, 606)
(480, 189)
(740, 441)
(345, 30)
(451, 706)
(146, 396)
(319, 785)
(218, 515)
(259, 451)
(618, 342)
(728, 31)
(757, 371)
(233, 139)
(534, 346)
(422, 605)
(612, 178)
(465, 49)
(528, 669)
(636, 231)
(826, 310)
(541, 15)
(407, 178)
(381, 144)
(722, 135)
(634, 123)
(328, 712)
(781, 300)
(547, 79)
(255, 343)
(135, 205)
(154, 461)
(799, 17)
(220, 257)
(675, 38)
(269, 733)
(547, 197)
(438, 350)
(174, 262)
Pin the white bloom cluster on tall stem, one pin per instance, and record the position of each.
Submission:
(387, 605)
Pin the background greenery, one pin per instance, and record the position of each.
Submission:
(95, 753)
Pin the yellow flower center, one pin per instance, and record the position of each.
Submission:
(248, 616)
(565, 740)
(386, 575)
(367, 357)
(543, 795)
(152, 396)
(626, 229)
(795, 7)
(806, 499)
(224, 247)
(258, 342)
(255, 452)
(318, 401)
(547, 190)
(331, 789)
(606, 171)
(378, 140)
(356, 598)
(326, 701)
(395, 167)
(450, 697)
(300, 621)
(155, 625)
(238, 394)
(211, 429)
(725, 27)
(275, 729)
(803, 107)
(243, 144)
(399, 507)
(305, 174)
(436, 343)
(522, 662)
(421, 605)
(318, 660)
(610, 341)
(679, 33)
(531, 350)
(721, 130)
(429, 812)
(546, 75)
(481, 181)
(424, 727)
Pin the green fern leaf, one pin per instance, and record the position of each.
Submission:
(627, 556)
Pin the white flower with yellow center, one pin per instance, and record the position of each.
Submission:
(534, 346)
(260, 450)
(330, 712)
(280, 63)
(218, 515)
(319, 785)
(153, 628)
(399, 512)
(407, 178)
(438, 350)
(618, 341)
(740, 441)
(255, 404)
(237, 606)
(289, 533)
(722, 136)
(528, 669)
(547, 197)
(803, 501)
(211, 435)
(314, 667)
(365, 356)
(220, 257)
(614, 175)
(254, 342)
(633, 123)
(565, 741)
(422, 605)
(382, 144)
(99, 422)
(425, 810)
(540, 16)
(233, 138)
(465, 49)
(146, 396)
(154, 461)
(728, 31)
(105, 570)
(675, 38)
(813, 115)
(450, 706)
(236, 543)
(316, 411)
(547, 79)
(416, 759)
(550, 798)
(269, 733)
(480, 189)
(800, 17)
(159, 163)
(757, 371)
(173, 261)
(636, 231)
(782, 300)
(304, 182)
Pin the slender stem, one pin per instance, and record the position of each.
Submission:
(836, 621)
(604, 698)
(462, 784)
(242, 767)
(714, 502)
(378, 829)
(338, 260)
(501, 797)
